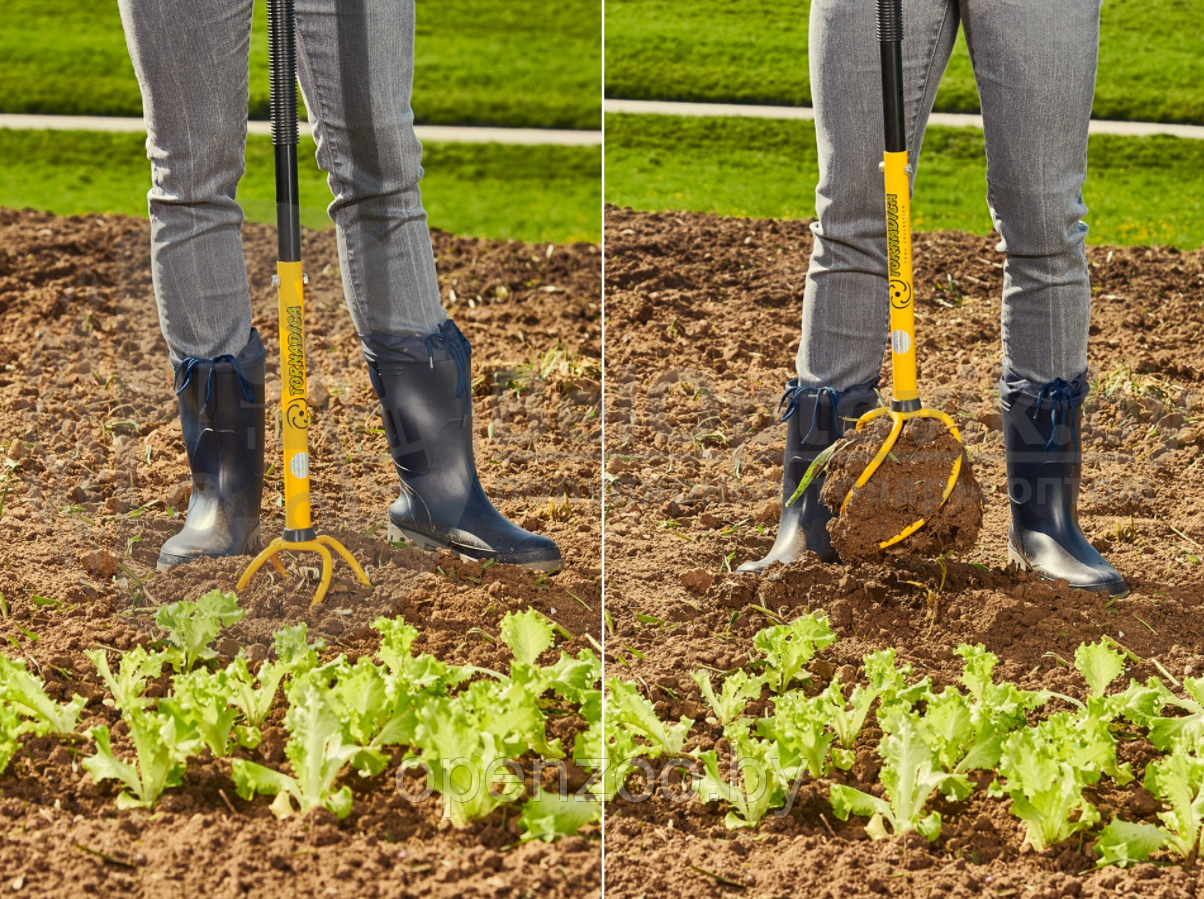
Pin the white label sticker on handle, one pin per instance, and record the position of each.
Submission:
(299, 465)
(900, 341)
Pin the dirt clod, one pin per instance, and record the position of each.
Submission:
(696, 580)
(906, 488)
(100, 563)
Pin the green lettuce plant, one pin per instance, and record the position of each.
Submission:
(739, 688)
(1177, 781)
(760, 780)
(911, 774)
(787, 648)
(627, 708)
(25, 695)
(192, 626)
(203, 701)
(162, 744)
(318, 749)
(134, 671)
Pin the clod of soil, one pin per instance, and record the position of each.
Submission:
(907, 487)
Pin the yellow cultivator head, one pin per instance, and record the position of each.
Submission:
(898, 420)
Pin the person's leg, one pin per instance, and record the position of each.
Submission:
(191, 60)
(1035, 68)
(845, 313)
(845, 305)
(355, 60)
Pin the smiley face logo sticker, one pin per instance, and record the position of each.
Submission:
(900, 294)
(298, 414)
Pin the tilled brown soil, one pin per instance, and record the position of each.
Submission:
(96, 478)
(703, 323)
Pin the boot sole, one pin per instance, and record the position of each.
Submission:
(761, 565)
(252, 548)
(1117, 591)
(429, 544)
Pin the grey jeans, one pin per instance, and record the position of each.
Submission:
(1034, 64)
(355, 61)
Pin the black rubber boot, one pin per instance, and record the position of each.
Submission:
(424, 386)
(222, 415)
(816, 418)
(1044, 462)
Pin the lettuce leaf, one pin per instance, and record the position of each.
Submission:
(1123, 843)
(26, 694)
(192, 626)
(548, 816)
(788, 647)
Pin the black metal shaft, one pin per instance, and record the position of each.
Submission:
(282, 59)
(890, 38)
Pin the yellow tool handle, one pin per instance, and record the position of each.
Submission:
(898, 260)
(291, 292)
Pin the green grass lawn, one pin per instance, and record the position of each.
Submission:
(755, 51)
(519, 63)
(487, 190)
(1139, 190)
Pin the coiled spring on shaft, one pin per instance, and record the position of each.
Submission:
(282, 43)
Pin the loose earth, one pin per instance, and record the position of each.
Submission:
(95, 479)
(702, 330)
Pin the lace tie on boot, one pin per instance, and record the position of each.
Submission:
(792, 396)
(1061, 405)
(185, 370)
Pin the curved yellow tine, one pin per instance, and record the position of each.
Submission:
(278, 565)
(957, 470)
(347, 557)
(872, 414)
(887, 446)
(903, 534)
(949, 486)
(317, 545)
(916, 525)
(943, 419)
(268, 552)
(327, 568)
